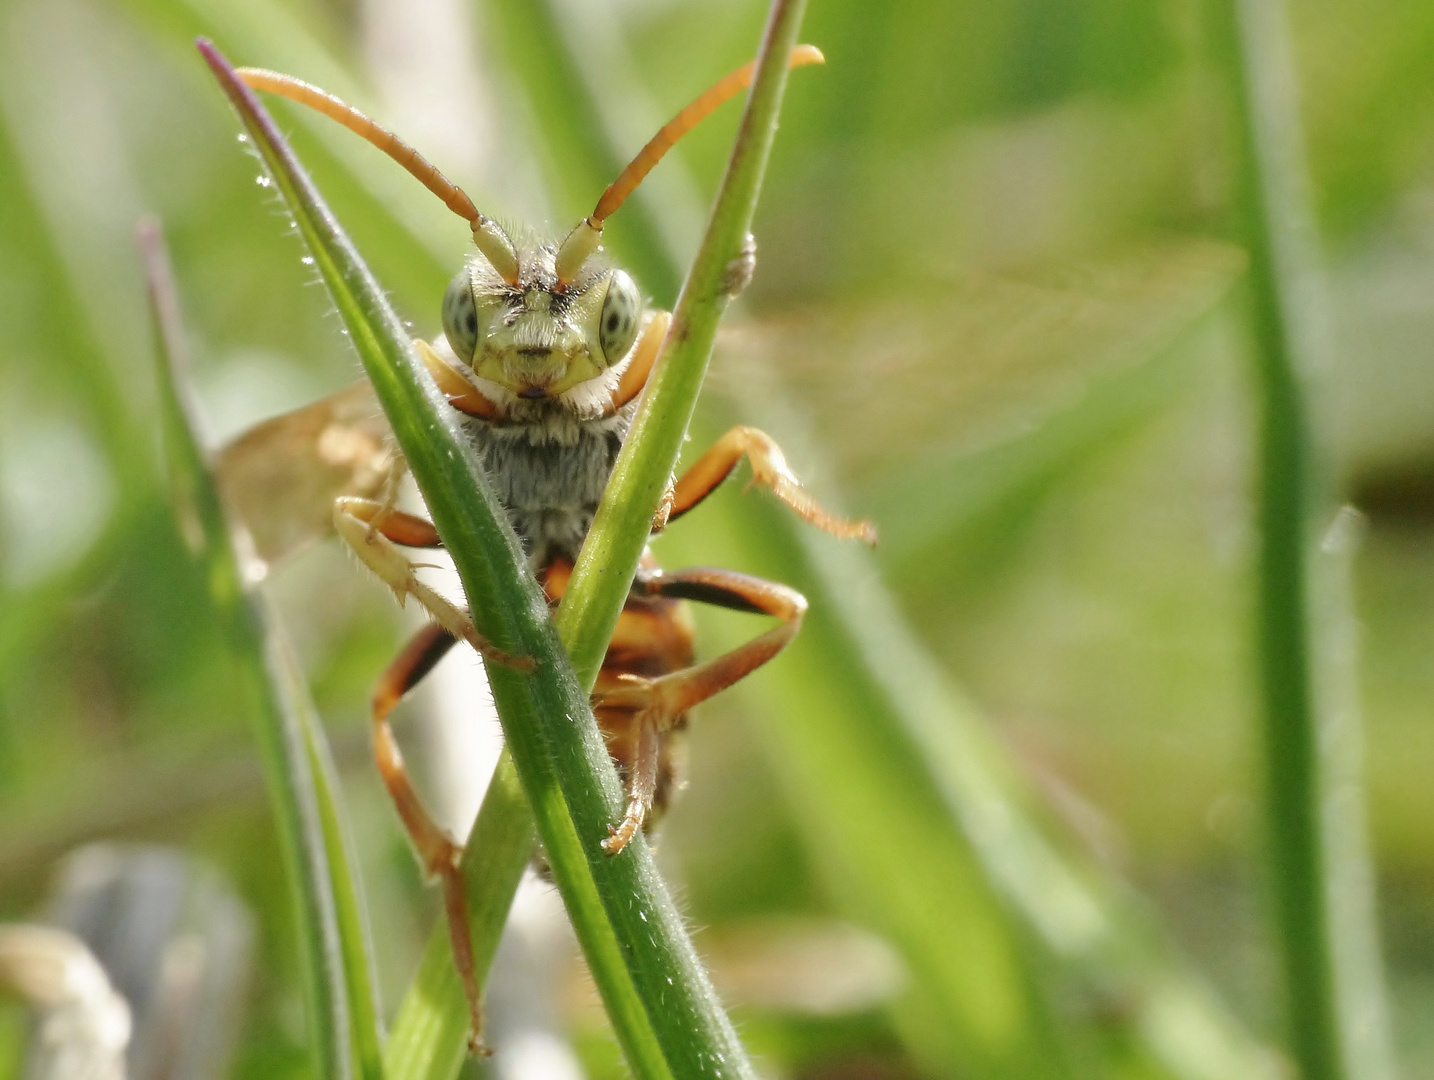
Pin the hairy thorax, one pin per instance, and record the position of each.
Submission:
(550, 471)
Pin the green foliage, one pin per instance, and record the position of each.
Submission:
(990, 313)
(343, 1028)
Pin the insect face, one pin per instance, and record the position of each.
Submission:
(537, 338)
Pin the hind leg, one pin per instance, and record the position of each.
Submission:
(374, 529)
(659, 702)
(437, 851)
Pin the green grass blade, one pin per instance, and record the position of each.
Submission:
(360, 975)
(428, 1038)
(430, 1034)
(511, 612)
(836, 691)
(1289, 337)
(659, 999)
(419, 1020)
(272, 679)
(620, 529)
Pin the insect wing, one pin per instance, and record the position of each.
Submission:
(281, 477)
(940, 370)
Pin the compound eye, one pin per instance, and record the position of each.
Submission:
(621, 313)
(460, 316)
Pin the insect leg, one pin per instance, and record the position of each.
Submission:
(437, 851)
(641, 784)
(644, 354)
(373, 529)
(659, 702)
(769, 468)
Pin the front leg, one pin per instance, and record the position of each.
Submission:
(373, 530)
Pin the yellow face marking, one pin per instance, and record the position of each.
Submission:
(540, 342)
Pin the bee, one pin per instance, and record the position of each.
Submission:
(545, 351)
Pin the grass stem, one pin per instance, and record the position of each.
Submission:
(658, 997)
(1289, 336)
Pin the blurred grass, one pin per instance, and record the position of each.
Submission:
(342, 1028)
(970, 181)
(1315, 850)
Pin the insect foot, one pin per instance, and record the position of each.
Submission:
(622, 834)
(655, 706)
(477, 1047)
(373, 532)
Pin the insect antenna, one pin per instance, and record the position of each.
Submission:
(491, 240)
(583, 240)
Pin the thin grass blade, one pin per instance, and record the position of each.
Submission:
(271, 678)
(1337, 1027)
(355, 935)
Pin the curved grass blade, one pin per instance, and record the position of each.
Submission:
(355, 936)
(511, 611)
(659, 999)
(272, 678)
(594, 598)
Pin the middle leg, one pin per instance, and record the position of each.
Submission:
(769, 468)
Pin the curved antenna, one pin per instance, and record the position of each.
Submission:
(491, 240)
(583, 240)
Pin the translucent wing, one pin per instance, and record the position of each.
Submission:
(282, 476)
(934, 401)
(896, 386)
(941, 368)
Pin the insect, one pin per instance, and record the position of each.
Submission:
(545, 351)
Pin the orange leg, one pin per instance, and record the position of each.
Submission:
(769, 468)
(373, 529)
(659, 702)
(439, 853)
(643, 357)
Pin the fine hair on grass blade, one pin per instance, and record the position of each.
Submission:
(659, 999)
(429, 1038)
(337, 962)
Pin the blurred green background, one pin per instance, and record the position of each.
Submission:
(993, 312)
